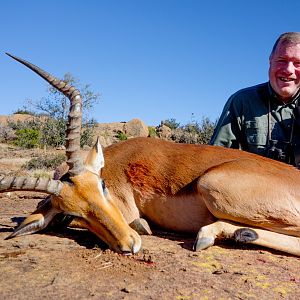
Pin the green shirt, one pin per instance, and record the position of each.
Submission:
(255, 120)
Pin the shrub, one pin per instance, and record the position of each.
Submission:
(6, 134)
(53, 132)
(121, 136)
(23, 111)
(194, 132)
(42, 173)
(206, 130)
(87, 134)
(152, 132)
(45, 162)
(27, 138)
(171, 123)
(30, 124)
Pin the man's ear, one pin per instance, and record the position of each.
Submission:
(94, 161)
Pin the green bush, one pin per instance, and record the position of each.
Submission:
(87, 134)
(53, 132)
(121, 136)
(171, 123)
(43, 174)
(194, 132)
(23, 111)
(45, 162)
(30, 124)
(152, 131)
(27, 138)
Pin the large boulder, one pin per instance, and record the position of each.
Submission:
(110, 133)
(164, 132)
(136, 128)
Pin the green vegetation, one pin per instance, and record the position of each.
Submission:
(121, 136)
(49, 118)
(171, 123)
(45, 162)
(23, 111)
(192, 132)
(27, 138)
(87, 134)
(152, 132)
(42, 173)
(47, 126)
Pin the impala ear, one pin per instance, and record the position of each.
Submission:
(37, 221)
(94, 161)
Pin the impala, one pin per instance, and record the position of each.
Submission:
(216, 192)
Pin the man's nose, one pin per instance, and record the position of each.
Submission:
(289, 68)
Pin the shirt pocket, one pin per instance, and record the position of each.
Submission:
(256, 135)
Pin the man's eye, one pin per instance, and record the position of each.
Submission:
(297, 64)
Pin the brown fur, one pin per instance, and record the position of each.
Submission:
(184, 187)
(189, 188)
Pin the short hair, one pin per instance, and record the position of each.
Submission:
(288, 38)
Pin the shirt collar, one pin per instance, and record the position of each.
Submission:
(274, 96)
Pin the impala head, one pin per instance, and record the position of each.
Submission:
(81, 192)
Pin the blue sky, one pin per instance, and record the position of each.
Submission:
(151, 59)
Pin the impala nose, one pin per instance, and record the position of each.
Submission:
(133, 246)
(136, 247)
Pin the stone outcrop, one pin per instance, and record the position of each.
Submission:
(135, 128)
(164, 132)
(110, 133)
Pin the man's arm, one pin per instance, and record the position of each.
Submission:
(228, 132)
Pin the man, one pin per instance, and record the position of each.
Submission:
(263, 119)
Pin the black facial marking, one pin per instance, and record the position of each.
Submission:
(103, 184)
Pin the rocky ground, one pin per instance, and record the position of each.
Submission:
(70, 263)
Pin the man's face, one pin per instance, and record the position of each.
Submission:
(284, 71)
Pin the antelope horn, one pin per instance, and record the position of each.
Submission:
(74, 160)
(44, 185)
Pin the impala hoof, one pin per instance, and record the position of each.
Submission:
(141, 226)
(203, 243)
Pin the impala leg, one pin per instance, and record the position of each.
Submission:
(270, 239)
(223, 230)
(229, 230)
(207, 235)
(141, 226)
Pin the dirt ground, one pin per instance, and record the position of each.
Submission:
(70, 263)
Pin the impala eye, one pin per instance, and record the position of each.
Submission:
(103, 185)
(66, 178)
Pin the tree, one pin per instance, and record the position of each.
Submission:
(194, 132)
(171, 123)
(56, 107)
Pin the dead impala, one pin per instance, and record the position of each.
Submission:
(217, 192)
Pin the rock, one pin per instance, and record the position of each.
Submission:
(108, 133)
(136, 128)
(164, 132)
(61, 147)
